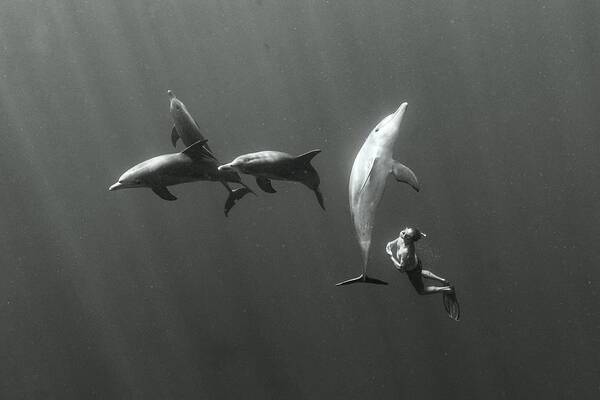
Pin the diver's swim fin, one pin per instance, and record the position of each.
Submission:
(362, 278)
(234, 196)
(451, 305)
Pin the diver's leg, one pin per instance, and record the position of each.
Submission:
(430, 275)
(435, 289)
(416, 278)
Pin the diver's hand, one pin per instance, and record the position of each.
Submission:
(397, 264)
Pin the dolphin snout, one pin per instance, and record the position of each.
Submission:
(402, 108)
(225, 167)
(116, 186)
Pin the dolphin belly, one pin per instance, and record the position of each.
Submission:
(367, 184)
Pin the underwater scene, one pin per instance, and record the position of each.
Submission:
(310, 199)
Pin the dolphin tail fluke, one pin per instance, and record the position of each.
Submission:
(234, 196)
(362, 279)
(247, 187)
(404, 174)
(319, 198)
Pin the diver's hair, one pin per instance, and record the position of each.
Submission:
(416, 235)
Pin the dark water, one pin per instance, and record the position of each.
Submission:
(120, 295)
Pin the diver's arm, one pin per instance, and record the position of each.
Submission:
(388, 248)
(397, 264)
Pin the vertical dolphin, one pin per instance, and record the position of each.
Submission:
(372, 165)
(184, 125)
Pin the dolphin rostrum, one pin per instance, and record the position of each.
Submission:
(372, 165)
(186, 129)
(195, 163)
(277, 165)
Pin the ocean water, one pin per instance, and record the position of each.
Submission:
(121, 295)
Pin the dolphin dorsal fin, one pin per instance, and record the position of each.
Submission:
(307, 157)
(199, 151)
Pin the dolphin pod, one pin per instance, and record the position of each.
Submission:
(195, 163)
(373, 164)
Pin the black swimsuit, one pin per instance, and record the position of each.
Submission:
(415, 276)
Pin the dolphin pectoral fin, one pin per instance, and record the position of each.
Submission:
(403, 174)
(174, 136)
(362, 278)
(319, 198)
(163, 193)
(235, 195)
(265, 184)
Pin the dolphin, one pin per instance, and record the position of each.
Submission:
(184, 125)
(372, 165)
(186, 129)
(195, 163)
(276, 165)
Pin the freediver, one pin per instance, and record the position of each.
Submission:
(406, 260)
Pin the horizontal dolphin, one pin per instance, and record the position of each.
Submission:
(195, 163)
(372, 166)
(276, 165)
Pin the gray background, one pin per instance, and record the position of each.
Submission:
(122, 295)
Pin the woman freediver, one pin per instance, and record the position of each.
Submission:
(406, 260)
